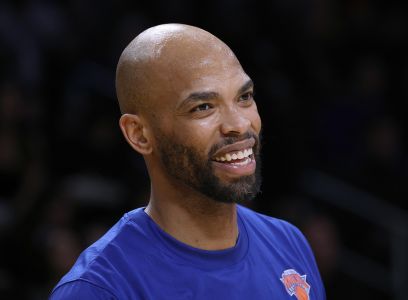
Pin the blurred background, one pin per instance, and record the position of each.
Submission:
(331, 82)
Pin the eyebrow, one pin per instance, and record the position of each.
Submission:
(248, 85)
(202, 96)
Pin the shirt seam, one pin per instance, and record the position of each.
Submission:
(92, 261)
(91, 283)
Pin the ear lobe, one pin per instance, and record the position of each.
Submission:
(136, 133)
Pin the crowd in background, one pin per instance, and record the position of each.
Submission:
(331, 82)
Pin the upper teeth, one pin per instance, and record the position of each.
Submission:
(235, 155)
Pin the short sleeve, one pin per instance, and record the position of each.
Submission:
(80, 289)
(305, 251)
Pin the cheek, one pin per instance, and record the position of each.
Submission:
(255, 118)
(198, 134)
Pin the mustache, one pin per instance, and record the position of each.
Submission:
(234, 139)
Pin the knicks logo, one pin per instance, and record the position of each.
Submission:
(295, 284)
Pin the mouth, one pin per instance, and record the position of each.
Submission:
(236, 160)
(237, 157)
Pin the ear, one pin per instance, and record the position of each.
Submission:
(136, 133)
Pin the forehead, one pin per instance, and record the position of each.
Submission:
(208, 72)
(225, 84)
(187, 63)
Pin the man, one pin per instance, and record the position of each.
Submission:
(188, 108)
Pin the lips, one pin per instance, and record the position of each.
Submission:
(234, 149)
(237, 159)
(235, 155)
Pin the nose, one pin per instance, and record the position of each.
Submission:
(234, 122)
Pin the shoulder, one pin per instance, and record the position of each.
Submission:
(264, 222)
(100, 264)
(275, 235)
(81, 289)
(279, 231)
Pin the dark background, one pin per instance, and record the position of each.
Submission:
(331, 86)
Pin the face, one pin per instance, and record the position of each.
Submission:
(208, 139)
(185, 164)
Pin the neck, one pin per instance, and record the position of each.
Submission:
(192, 218)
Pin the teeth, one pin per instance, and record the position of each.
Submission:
(238, 155)
(242, 163)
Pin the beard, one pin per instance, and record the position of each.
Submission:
(188, 166)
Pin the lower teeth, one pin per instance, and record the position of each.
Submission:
(241, 163)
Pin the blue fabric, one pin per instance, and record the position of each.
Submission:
(81, 289)
(135, 259)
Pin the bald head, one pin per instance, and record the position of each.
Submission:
(163, 60)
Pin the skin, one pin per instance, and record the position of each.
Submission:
(156, 74)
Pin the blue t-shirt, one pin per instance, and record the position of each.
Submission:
(136, 259)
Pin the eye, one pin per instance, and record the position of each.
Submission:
(202, 107)
(247, 97)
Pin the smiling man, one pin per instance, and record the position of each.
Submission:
(187, 107)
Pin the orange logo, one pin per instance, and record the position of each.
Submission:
(295, 284)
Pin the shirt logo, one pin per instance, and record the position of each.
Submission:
(295, 284)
